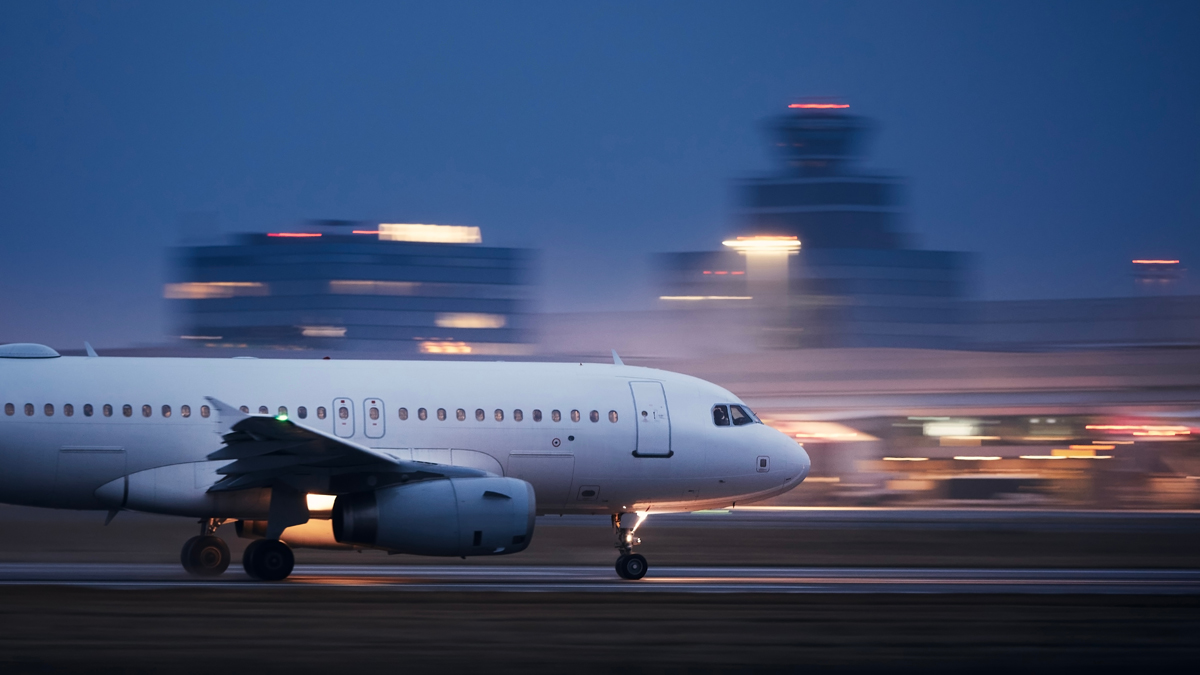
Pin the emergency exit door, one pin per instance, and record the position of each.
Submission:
(653, 420)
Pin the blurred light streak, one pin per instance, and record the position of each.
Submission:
(1156, 262)
(438, 234)
(1092, 447)
(974, 458)
(822, 479)
(293, 234)
(360, 287)
(445, 348)
(1043, 457)
(200, 337)
(906, 459)
(207, 290)
(763, 243)
(705, 297)
(820, 106)
(323, 331)
(469, 320)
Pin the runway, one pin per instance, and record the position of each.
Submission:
(477, 578)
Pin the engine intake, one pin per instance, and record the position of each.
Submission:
(446, 517)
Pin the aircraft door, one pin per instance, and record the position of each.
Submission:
(373, 418)
(653, 421)
(343, 417)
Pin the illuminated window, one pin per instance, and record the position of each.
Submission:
(343, 413)
(245, 409)
(612, 416)
(403, 414)
(262, 410)
(127, 410)
(421, 414)
(537, 415)
(29, 410)
(185, 410)
(479, 414)
(10, 409)
(107, 410)
(373, 413)
(88, 409)
(48, 409)
(460, 414)
(68, 409)
(204, 411)
(147, 411)
(441, 414)
(302, 412)
(555, 415)
(321, 412)
(574, 415)
(214, 289)
(499, 415)
(720, 415)
(282, 411)
(518, 415)
(166, 411)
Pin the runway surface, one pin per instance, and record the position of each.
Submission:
(478, 578)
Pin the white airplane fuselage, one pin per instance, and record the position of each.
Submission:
(646, 452)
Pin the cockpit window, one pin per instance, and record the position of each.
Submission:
(720, 415)
(741, 415)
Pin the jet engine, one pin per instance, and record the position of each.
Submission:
(444, 517)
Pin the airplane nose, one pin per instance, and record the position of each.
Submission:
(801, 460)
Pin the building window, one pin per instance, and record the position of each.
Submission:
(441, 413)
(537, 415)
(48, 409)
(88, 409)
(245, 409)
(68, 409)
(518, 415)
(422, 414)
(185, 410)
(612, 416)
(403, 414)
(166, 411)
(10, 409)
(321, 412)
(479, 414)
(499, 415)
(282, 411)
(147, 411)
(555, 416)
(262, 410)
(574, 415)
(127, 410)
(594, 416)
(460, 415)
(107, 410)
(302, 412)
(204, 411)
(343, 413)
(29, 410)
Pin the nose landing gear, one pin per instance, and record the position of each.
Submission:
(630, 565)
(205, 555)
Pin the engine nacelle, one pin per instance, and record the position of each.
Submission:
(446, 517)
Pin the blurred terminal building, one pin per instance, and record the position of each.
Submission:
(400, 289)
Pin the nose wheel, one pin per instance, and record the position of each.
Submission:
(630, 565)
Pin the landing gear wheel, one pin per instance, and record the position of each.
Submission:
(631, 566)
(206, 556)
(268, 560)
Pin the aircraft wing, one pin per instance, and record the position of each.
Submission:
(264, 450)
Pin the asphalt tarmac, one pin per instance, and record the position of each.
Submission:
(507, 578)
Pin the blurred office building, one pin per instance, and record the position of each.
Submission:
(819, 258)
(397, 289)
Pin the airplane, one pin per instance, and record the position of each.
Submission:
(435, 458)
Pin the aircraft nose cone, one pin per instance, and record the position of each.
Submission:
(801, 460)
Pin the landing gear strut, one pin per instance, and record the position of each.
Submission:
(630, 565)
(205, 555)
(268, 560)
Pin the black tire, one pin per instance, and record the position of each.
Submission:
(271, 560)
(206, 556)
(632, 566)
(248, 558)
(185, 554)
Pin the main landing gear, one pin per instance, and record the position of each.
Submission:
(268, 560)
(630, 565)
(205, 555)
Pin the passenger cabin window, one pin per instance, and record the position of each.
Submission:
(245, 409)
(147, 411)
(127, 410)
(537, 415)
(612, 416)
(344, 413)
(282, 411)
(88, 409)
(166, 411)
(10, 409)
(518, 415)
(441, 414)
(574, 415)
(48, 409)
(29, 410)
(321, 412)
(107, 410)
(594, 416)
(479, 414)
(460, 415)
(555, 416)
(185, 410)
(302, 412)
(68, 409)
(204, 411)
(721, 415)
(422, 414)
(403, 414)
(499, 415)
(373, 413)
(739, 416)
(262, 410)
